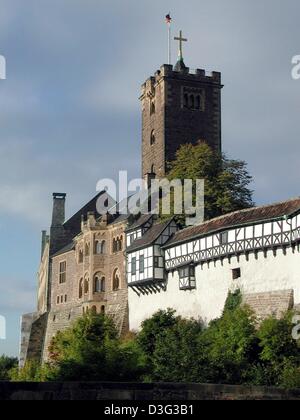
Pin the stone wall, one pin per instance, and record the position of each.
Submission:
(270, 303)
(139, 392)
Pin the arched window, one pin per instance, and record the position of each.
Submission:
(103, 247)
(152, 138)
(116, 280)
(80, 256)
(152, 108)
(80, 288)
(102, 310)
(99, 283)
(186, 100)
(153, 170)
(192, 101)
(87, 249)
(94, 310)
(86, 285)
(100, 247)
(121, 243)
(198, 102)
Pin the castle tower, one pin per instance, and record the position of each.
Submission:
(178, 107)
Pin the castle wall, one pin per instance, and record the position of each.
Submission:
(67, 302)
(261, 274)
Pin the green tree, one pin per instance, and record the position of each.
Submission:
(227, 181)
(6, 365)
(90, 350)
(175, 355)
(150, 333)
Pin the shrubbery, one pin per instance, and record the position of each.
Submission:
(233, 349)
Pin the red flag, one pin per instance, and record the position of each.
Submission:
(168, 19)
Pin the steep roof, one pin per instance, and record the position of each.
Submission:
(150, 236)
(65, 249)
(74, 223)
(242, 217)
(142, 220)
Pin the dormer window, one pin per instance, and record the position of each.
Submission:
(187, 278)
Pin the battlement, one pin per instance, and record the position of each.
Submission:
(192, 75)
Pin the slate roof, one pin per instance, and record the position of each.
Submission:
(139, 222)
(150, 236)
(74, 223)
(242, 217)
(65, 249)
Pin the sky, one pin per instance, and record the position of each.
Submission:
(70, 114)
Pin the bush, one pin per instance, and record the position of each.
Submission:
(6, 365)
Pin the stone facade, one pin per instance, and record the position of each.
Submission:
(86, 274)
(178, 107)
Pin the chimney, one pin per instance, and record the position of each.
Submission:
(58, 214)
(44, 242)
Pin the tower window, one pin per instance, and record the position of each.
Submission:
(152, 108)
(192, 102)
(186, 100)
(152, 138)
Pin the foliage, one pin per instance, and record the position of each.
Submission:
(6, 365)
(226, 181)
(234, 349)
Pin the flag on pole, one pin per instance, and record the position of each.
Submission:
(168, 19)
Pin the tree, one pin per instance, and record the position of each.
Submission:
(175, 355)
(6, 366)
(90, 350)
(227, 181)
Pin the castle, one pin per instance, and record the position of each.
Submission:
(129, 269)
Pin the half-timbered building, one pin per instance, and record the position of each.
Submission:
(254, 250)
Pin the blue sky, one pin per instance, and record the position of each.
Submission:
(69, 109)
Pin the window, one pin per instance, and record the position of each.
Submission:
(94, 310)
(102, 310)
(100, 247)
(80, 288)
(142, 264)
(152, 138)
(86, 286)
(116, 280)
(133, 266)
(62, 272)
(187, 278)
(57, 300)
(66, 298)
(186, 100)
(152, 170)
(80, 257)
(152, 108)
(99, 284)
(131, 238)
(192, 101)
(158, 262)
(87, 249)
(224, 238)
(236, 273)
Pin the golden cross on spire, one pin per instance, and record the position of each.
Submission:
(181, 40)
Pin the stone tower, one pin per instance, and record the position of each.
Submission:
(178, 106)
